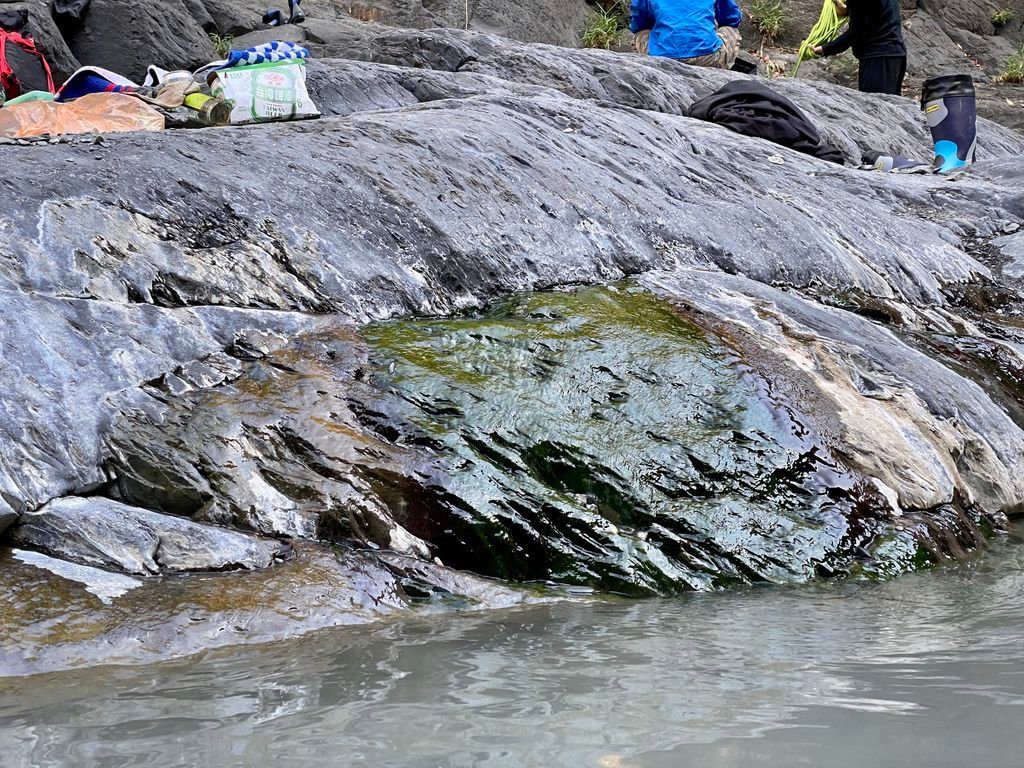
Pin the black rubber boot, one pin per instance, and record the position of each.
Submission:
(297, 16)
(273, 17)
(949, 107)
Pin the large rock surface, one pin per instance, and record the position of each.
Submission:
(182, 329)
(558, 22)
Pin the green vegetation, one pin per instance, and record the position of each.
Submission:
(221, 43)
(604, 28)
(1003, 16)
(1013, 71)
(769, 17)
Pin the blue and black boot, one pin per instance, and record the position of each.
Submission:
(949, 108)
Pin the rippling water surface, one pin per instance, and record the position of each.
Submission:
(927, 670)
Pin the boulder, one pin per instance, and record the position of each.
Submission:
(198, 11)
(60, 615)
(930, 50)
(107, 534)
(126, 36)
(238, 17)
(189, 337)
(556, 22)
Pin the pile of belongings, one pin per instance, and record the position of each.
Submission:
(261, 84)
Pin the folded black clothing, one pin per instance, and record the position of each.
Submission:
(754, 109)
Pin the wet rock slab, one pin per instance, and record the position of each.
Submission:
(57, 616)
(594, 437)
(183, 332)
(108, 534)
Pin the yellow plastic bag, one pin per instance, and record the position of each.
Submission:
(95, 113)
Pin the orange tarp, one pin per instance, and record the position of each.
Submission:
(95, 113)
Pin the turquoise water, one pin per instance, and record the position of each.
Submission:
(926, 670)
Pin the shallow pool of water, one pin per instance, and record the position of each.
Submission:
(927, 670)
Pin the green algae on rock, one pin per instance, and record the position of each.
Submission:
(595, 436)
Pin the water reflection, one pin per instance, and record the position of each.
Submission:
(924, 671)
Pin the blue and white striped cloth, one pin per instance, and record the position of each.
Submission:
(274, 51)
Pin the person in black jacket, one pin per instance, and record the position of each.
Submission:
(875, 33)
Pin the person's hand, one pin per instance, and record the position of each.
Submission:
(840, 7)
(816, 50)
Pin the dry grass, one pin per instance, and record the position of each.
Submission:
(364, 13)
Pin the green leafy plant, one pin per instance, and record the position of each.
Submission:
(1003, 16)
(769, 17)
(1013, 70)
(221, 43)
(604, 27)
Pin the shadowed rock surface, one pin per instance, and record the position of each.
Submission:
(804, 395)
(126, 36)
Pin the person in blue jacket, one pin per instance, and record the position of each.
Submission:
(704, 33)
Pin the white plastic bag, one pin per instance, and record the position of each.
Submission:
(262, 93)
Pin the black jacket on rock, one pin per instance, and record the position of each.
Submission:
(753, 109)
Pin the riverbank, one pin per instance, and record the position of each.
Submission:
(918, 671)
(812, 372)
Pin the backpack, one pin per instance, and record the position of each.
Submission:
(23, 67)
